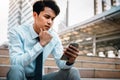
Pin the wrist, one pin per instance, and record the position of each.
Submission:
(69, 63)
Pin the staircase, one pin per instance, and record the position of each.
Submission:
(96, 68)
(90, 68)
(4, 63)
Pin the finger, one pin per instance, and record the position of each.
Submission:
(69, 54)
(73, 51)
(41, 30)
(74, 48)
(40, 33)
(65, 50)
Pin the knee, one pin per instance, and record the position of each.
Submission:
(16, 69)
(74, 71)
(74, 74)
(16, 72)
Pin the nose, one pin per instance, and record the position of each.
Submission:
(50, 21)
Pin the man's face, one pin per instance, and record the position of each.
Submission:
(44, 20)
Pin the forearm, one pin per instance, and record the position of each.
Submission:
(57, 53)
(25, 58)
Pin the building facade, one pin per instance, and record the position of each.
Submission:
(98, 34)
(20, 12)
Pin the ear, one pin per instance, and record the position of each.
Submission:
(35, 14)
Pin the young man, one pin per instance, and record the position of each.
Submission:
(27, 42)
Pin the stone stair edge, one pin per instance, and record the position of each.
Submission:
(6, 56)
(2, 78)
(2, 65)
(98, 79)
(86, 61)
(78, 56)
(98, 69)
(91, 61)
(93, 57)
(85, 68)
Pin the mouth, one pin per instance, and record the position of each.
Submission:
(47, 27)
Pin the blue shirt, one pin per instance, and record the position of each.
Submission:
(24, 48)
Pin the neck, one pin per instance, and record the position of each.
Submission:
(35, 29)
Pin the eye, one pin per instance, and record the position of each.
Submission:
(47, 16)
(53, 18)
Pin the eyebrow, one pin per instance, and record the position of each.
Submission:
(49, 15)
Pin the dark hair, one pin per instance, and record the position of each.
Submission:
(40, 5)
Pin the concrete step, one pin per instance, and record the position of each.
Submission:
(2, 78)
(84, 72)
(3, 70)
(80, 57)
(4, 59)
(88, 64)
(96, 58)
(97, 79)
(89, 67)
(97, 64)
(4, 51)
(92, 72)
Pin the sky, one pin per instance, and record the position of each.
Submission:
(3, 20)
(78, 11)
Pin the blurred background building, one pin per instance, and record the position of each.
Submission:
(20, 12)
(95, 27)
(98, 34)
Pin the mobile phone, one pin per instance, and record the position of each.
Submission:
(65, 57)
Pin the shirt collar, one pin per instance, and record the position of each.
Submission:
(33, 33)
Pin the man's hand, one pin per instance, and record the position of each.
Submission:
(71, 52)
(45, 37)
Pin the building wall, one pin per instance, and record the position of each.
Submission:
(79, 11)
(14, 13)
(81, 32)
(20, 12)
